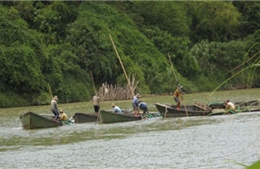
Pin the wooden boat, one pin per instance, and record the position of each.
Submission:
(32, 120)
(84, 118)
(185, 111)
(241, 107)
(221, 105)
(110, 117)
(224, 112)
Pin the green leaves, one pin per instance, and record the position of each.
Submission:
(215, 21)
(59, 43)
(25, 77)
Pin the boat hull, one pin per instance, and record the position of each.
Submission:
(110, 117)
(84, 118)
(185, 111)
(31, 120)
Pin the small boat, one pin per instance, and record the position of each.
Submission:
(241, 107)
(221, 105)
(32, 120)
(171, 110)
(218, 108)
(110, 117)
(224, 112)
(84, 118)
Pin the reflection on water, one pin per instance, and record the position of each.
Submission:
(193, 142)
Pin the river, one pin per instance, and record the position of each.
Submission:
(216, 142)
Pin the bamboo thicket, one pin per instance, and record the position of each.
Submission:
(117, 92)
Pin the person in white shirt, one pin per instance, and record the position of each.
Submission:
(116, 109)
(96, 102)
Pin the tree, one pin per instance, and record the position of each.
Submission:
(213, 21)
(249, 21)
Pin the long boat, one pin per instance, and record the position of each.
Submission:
(84, 118)
(247, 104)
(224, 112)
(189, 110)
(241, 107)
(32, 120)
(110, 117)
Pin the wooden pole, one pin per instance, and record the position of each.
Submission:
(166, 111)
(50, 90)
(128, 81)
(185, 106)
(98, 116)
(177, 81)
(244, 62)
(172, 67)
(92, 79)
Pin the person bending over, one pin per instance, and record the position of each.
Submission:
(63, 116)
(230, 107)
(116, 109)
(143, 106)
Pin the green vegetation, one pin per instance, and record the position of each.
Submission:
(58, 43)
(255, 165)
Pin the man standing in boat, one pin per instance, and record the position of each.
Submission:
(177, 96)
(96, 102)
(54, 107)
(135, 104)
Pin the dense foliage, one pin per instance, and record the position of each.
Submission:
(50, 47)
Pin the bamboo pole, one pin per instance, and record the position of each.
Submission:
(128, 81)
(50, 90)
(185, 106)
(166, 111)
(172, 67)
(244, 62)
(177, 81)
